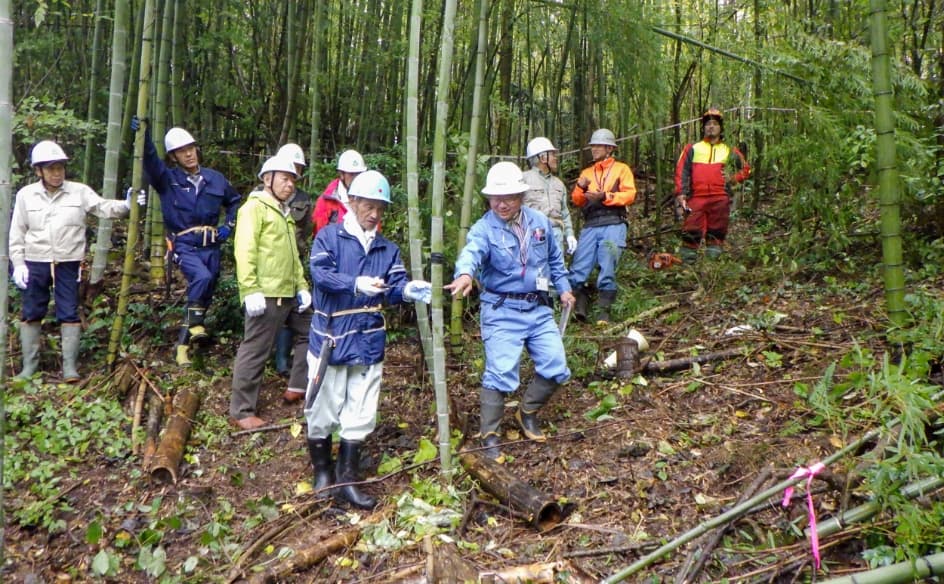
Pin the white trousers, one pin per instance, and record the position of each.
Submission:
(347, 400)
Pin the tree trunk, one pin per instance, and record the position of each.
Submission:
(93, 82)
(154, 234)
(314, 82)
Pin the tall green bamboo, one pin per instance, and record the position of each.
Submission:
(410, 124)
(137, 181)
(176, 95)
(436, 229)
(468, 187)
(154, 226)
(119, 52)
(314, 78)
(93, 82)
(6, 192)
(889, 195)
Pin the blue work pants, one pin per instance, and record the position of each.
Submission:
(598, 246)
(64, 279)
(510, 327)
(201, 267)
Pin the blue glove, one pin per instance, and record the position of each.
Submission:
(418, 291)
(222, 232)
(135, 123)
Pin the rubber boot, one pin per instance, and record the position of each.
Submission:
(198, 334)
(580, 307)
(319, 449)
(182, 348)
(283, 352)
(70, 351)
(605, 301)
(491, 410)
(538, 393)
(689, 255)
(713, 251)
(349, 457)
(30, 333)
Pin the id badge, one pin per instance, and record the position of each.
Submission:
(541, 283)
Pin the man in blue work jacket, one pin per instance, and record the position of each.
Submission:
(192, 198)
(355, 271)
(513, 252)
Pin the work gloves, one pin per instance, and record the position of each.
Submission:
(142, 197)
(135, 124)
(418, 291)
(21, 277)
(256, 304)
(369, 285)
(571, 244)
(222, 232)
(304, 300)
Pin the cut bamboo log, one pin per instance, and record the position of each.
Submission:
(540, 510)
(311, 555)
(909, 571)
(169, 453)
(686, 362)
(136, 419)
(153, 430)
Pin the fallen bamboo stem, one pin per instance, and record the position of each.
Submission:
(155, 416)
(169, 453)
(136, 418)
(686, 362)
(734, 512)
(908, 571)
(641, 316)
(870, 508)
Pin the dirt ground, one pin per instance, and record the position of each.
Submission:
(677, 449)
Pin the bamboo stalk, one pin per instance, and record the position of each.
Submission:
(155, 415)
(645, 314)
(733, 513)
(902, 572)
(136, 419)
(686, 362)
(171, 449)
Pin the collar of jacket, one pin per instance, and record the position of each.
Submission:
(268, 199)
(605, 163)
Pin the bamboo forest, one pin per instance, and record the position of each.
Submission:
(499, 291)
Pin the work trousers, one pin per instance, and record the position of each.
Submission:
(258, 337)
(506, 331)
(598, 246)
(347, 400)
(708, 220)
(63, 278)
(201, 267)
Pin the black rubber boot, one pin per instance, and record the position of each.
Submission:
(605, 301)
(538, 393)
(580, 307)
(491, 410)
(198, 334)
(319, 449)
(349, 457)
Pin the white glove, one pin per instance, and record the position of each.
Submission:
(21, 277)
(369, 285)
(418, 291)
(304, 300)
(141, 198)
(571, 244)
(255, 304)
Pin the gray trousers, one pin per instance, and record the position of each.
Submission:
(259, 334)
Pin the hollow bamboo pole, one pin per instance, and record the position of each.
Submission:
(169, 453)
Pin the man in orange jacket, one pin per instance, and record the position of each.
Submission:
(704, 175)
(603, 191)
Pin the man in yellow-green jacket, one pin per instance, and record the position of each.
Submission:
(272, 286)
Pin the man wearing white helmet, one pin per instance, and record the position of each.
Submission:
(192, 199)
(272, 286)
(332, 205)
(603, 191)
(513, 253)
(300, 206)
(47, 246)
(547, 193)
(356, 271)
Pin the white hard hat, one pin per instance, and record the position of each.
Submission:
(293, 152)
(504, 178)
(278, 164)
(537, 146)
(47, 151)
(351, 161)
(177, 138)
(370, 185)
(603, 137)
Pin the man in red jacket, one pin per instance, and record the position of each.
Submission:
(332, 205)
(705, 173)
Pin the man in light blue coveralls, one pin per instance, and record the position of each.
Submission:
(513, 252)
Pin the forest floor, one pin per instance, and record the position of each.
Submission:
(635, 462)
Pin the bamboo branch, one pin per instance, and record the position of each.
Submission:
(645, 314)
(136, 418)
(686, 362)
(908, 571)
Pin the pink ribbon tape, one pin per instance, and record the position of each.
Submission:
(809, 473)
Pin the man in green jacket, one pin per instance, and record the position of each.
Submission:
(272, 285)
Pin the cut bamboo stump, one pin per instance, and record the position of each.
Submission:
(540, 510)
(166, 460)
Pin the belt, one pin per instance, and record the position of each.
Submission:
(542, 298)
(208, 231)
